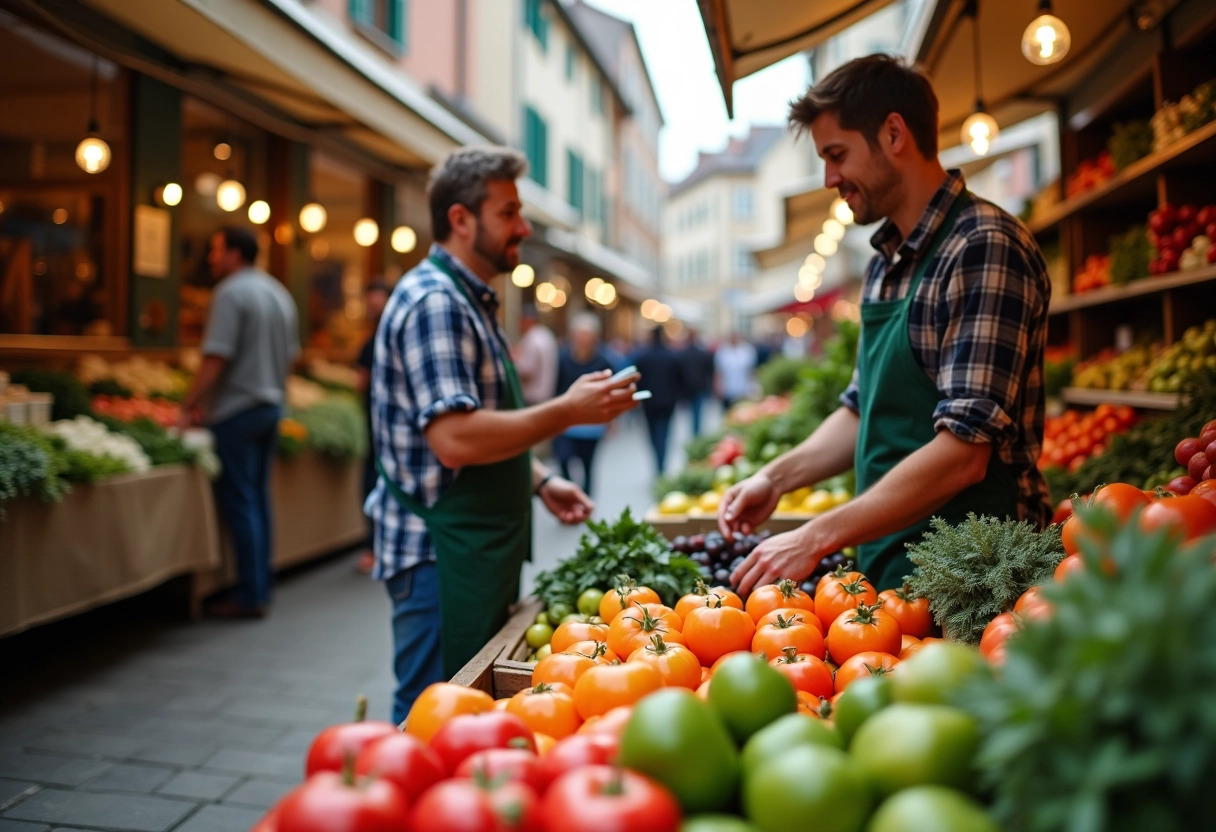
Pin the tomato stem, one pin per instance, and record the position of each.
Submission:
(616, 783)
(348, 769)
(360, 707)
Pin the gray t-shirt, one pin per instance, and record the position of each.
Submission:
(253, 325)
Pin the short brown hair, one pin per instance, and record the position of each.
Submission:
(863, 92)
(461, 179)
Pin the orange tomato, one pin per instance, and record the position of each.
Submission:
(865, 630)
(598, 651)
(674, 662)
(807, 673)
(712, 631)
(561, 668)
(607, 686)
(908, 645)
(811, 705)
(1031, 604)
(547, 709)
(543, 743)
(697, 597)
(634, 628)
(575, 631)
(795, 614)
(440, 702)
(623, 596)
(783, 594)
(703, 691)
(912, 613)
(992, 642)
(1071, 563)
(864, 664)
(840, 591)
(772, 639)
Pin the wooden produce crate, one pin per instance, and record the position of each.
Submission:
(499, 668)
(672, 526)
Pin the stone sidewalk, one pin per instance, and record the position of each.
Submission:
(129, 718)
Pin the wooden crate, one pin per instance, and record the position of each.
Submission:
(672, 526)
(499, 668)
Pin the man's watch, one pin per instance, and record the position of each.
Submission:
(543, 480)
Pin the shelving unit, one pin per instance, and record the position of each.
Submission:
(1136, 289)
(1132, 398)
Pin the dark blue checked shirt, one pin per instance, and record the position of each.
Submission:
(434, 354)
(978, 324)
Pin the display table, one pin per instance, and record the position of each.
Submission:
(315, 502)
(103, 542)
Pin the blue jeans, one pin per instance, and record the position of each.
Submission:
(417, 650)
(695, 405)
(659, 425)
(245, 446)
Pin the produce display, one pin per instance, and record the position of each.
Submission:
(1155, 368)
(1182, 236)
(1175, 119)
(1073, 437)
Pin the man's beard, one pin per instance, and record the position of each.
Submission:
(500, 259)
(878, 196)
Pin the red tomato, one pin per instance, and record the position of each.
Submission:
(866, 629)
(840, 591)
(911, 613)
(992, 642)
(1120, 498)
(466, 734)
(785, 593)
(576, 751)
(772, 639)
(504, 765)
(1063, 511)
(467, 806)
(807, 673)
(794, 615)
(440, 702)
(1070, 564)
(269, 822)
(1188, 517)
(864, 664)
(334, 744)
(327, 803)
(1031, 604)
(608, 799)
(403, 759)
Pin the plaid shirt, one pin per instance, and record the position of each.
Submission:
(977, 324)
(434, 354)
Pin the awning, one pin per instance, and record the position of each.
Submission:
(745, 36)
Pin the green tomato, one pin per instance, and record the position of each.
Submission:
(678, 740)
(907, 745)
(543, 650)
(787, 732)
(770, 451)
(931, 809)
(538, 635)
(809, 786)
(716, 823)
(589, 601)
(749, 694)
(577, 617)
(542, 618)
(862, 699)
(559, 611)
(936, 673)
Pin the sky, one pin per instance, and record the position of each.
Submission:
(672, 37)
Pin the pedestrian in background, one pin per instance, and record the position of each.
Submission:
(375, 296)
(734, 365)
(583, 354)
(662, 374)
(250, 343)
(698, 365)
(535, 357)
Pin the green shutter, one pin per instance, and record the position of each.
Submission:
(361, 11)
(398, 11)
(536, 146)
(574, 180)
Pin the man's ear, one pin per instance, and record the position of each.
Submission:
(461, 219)
(893, 136)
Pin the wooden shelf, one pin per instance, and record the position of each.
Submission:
(1137, 288)
(1135, 182)
(1131, 398)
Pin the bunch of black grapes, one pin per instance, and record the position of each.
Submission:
(716, 557)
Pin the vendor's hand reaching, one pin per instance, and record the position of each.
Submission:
(566, 501)
(594, 398)
(791, 555)
(746, 505)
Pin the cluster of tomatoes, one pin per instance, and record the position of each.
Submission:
(547, 759)
(161, 411)
(1073, 437)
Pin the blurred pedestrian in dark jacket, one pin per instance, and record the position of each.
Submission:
(697, 362)
(662, 374)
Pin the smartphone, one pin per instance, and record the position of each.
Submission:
(641, 395)
(623, 373)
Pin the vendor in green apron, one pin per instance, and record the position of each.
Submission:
(452, 507)
(944, 415)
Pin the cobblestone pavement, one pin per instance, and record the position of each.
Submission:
(130, 718)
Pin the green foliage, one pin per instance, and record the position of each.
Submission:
(71, 399)
(779, 375)
(976, 570)
(109, 387)
(289, 447)
(700, 447)
(84, 467)
(1129, 142)
(1102, 716)
(161, 448)
(1057, 375)
(336, 427)
(29, 466)
(609, 550)
(1130, 254)
(695, 479)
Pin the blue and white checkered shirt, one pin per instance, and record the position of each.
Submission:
(434, 354)
(978, 325)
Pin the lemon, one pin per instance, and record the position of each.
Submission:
(819, 501)
(841, 496)
(675, 502)
(709, 501)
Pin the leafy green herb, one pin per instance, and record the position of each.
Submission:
(1130, 141)
(1130, 254)
(161, 448)
(608, 550)
(976, 570)
(1102, 716)
(29, 466)
(335, 426)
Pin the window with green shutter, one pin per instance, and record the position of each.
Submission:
(571, 58)
(536, 22)
(384, 17)
(574, 180)
(536, 146)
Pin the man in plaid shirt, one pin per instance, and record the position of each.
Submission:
(944, 415)
(451, 509)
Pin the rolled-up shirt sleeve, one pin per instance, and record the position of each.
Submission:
(991, 305)
(441, 356)
(849, 398)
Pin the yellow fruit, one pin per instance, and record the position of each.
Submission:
(675, 502)
(841, 496)
(819, 502)
(709, 501)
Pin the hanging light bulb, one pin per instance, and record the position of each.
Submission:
(169, 194)
(367, 232)
(834, 228)
(841, 211)
(523, 275)
(230, 195)
(1046, 40)
(259, 211)
(979, 130)
(313, 217)
(403, 239)
(93, 154)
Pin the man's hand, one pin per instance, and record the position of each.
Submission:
(186, 418)
(566, 501)
(746, 505)
(594, 398)
(791, 555)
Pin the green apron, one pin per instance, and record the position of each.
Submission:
(897, 401)
(481, 529)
